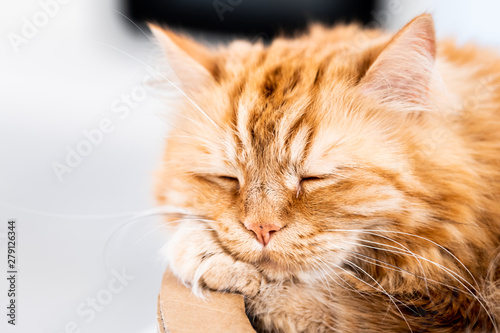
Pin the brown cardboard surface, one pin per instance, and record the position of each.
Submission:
(180, 311)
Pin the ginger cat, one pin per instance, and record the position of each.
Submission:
(345, 180)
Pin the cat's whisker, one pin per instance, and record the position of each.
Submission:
(323, 278)
(131, 21)
(455, 275)
(392, 298)
(193, 137)
(387, 265)
(162, 210)
(176, 170)
(201, 160)
(402, 247)
(382, 289)
(420, 237)
(322, 265)
(476, 295)
(413, 254)
(365, 258)
(167, 80)
(168, 226)
(342, 279)
(408, 250)
(490, 270)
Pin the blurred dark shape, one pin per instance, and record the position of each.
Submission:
(252, 18)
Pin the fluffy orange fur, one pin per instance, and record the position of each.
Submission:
(370, 161)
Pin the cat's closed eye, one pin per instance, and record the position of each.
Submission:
(325, 178)
(308, 180)
(311, 178)
(228, 179)
(223, 180)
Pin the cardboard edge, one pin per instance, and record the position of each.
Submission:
(159, 317)
(178, 310)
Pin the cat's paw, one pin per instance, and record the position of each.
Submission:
(222, 273)
(197, 259)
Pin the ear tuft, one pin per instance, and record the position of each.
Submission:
(403, 70)
(192, 62)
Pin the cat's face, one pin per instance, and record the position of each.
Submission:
(289, 151)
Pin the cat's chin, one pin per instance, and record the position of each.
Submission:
(275, 269)
(272, 270)
(277, 266)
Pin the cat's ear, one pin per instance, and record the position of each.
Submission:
(403, 70)
(193, 63)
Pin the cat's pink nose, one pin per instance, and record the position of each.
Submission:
(263, 232)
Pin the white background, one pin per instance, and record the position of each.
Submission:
(64, 81)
